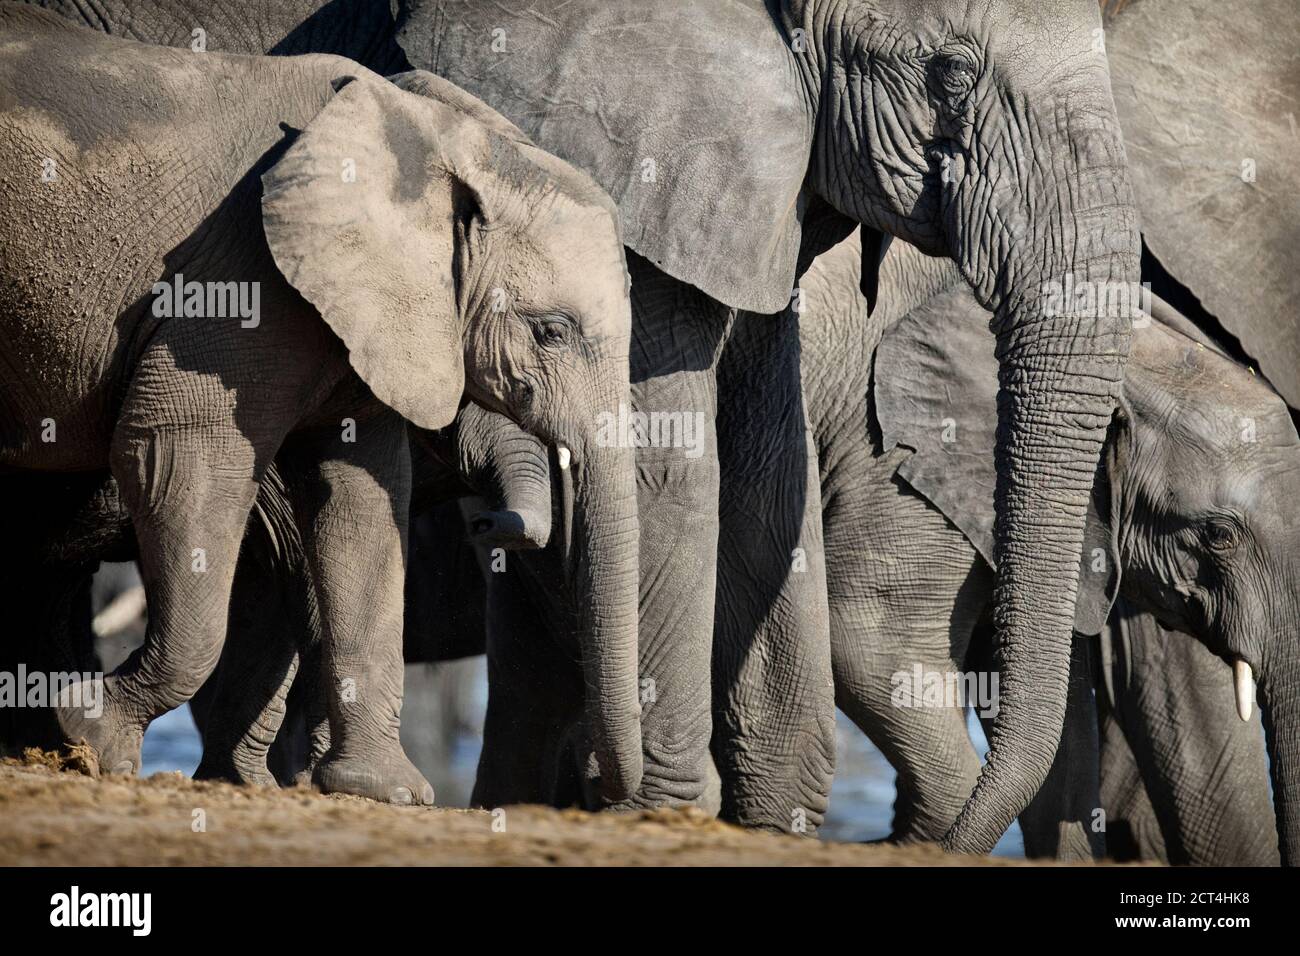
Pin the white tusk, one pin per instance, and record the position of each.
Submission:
(565, 456)
(121, 613)
(1243, 683)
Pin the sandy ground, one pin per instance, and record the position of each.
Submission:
(66, 817)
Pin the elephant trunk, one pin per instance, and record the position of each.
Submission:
(509, 468)
(1062, 343)
(605, 581)
(1280, 696)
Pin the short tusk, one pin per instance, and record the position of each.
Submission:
(565, 456)
(1243, 683)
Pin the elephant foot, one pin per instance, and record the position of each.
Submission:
(388, 777)
(246, 771)
(88, 714)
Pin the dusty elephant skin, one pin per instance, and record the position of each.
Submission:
(908, 464)
(793, 94)
(188, 407)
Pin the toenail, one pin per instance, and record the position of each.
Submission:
(401, 796)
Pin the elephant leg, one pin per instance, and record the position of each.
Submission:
(47, 631)
(245, 701)
(352, 503)
(304, 737)
(905, 590)
(774, 706)
(1132, 828)
(246, 698)
(1205, 770)
(1063, 821)
(189, 490)
(534, 705)
(677, 336)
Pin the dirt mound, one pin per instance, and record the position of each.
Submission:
(49, 817)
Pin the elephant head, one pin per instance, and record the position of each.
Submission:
(1192, 517)
(452, 257)
(982, 132)
(1204, 475)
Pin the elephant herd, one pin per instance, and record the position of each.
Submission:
(709, 366)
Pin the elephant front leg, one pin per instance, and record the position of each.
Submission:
(677, 335)
(352, 506)
(774, 706)
(906, 589)
(534, 705)
(1132, 827)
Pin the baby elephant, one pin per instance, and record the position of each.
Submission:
(211, 262)
(1192, 522)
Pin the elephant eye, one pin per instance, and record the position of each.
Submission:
(1221, 536)
(552, 331)
(953, 74)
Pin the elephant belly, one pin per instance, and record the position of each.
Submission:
(54, 395)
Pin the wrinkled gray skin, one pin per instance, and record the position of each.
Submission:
(1183, 780)
(902, 461)
(1222, 76)
(61, 532)
(878, 98)
(820, 114)
(275, 636)
(179, 409)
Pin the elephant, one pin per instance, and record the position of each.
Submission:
(901, 430)
(1222, 77)
(910, 118)
(327, 213)
(883, 127)
(274, 624)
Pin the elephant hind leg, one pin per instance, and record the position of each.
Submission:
(189, 493)
(244, 703)
(905, 588)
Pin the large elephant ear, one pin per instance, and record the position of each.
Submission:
(361, 215)
(690, 115)
(936, 384)
(1207, 92)
(935, 390)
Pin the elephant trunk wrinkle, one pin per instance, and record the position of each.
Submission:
(1280, 696)
(602, 532)
(1063, 337)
